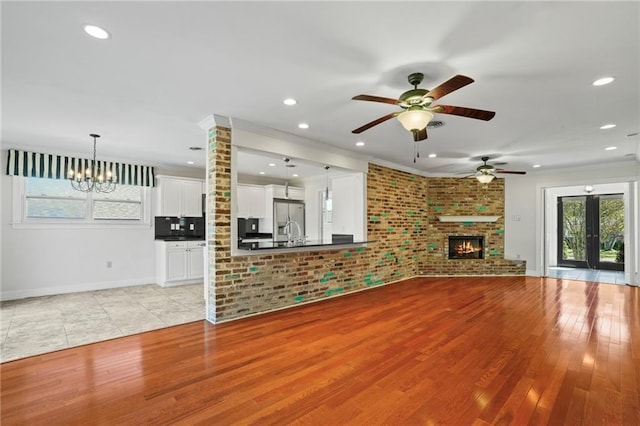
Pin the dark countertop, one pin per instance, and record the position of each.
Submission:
(270, 245)
(182, 238)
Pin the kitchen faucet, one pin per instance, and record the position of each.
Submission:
(289, 231)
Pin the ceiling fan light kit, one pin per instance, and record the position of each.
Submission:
(485, 178)
(415, 118)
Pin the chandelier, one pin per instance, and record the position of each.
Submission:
(94, 178)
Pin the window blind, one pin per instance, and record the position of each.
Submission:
(51, 166)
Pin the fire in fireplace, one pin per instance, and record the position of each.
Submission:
(466, 247)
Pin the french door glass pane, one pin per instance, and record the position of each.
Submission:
(574, 245)
(611, 228)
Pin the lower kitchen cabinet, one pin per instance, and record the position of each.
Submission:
(179, 262)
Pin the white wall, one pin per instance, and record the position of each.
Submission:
(38, 262)
(524, 214)
(312, 210)
(348, 211)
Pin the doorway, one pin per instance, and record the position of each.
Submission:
(591, 232)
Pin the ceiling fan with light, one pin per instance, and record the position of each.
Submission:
(416, 106)
(485, 173)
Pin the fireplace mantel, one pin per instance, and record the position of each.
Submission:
(468, 218)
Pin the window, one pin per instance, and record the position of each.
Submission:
(48, 198)
(125, 203)
(51, 201)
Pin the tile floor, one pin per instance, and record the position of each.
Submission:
(593, 275)
(44, 324)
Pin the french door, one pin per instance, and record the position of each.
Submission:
(591, 232)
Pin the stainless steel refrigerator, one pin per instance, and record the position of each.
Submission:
(288, 211)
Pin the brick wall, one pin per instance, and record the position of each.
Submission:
(465, 197)
(399, 223)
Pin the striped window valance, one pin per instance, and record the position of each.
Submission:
(51, 166)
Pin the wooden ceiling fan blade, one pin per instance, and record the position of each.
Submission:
(454, 83)
(478, 114)
(375, 122)
(512, 172)
(375, 99)
(420, 135)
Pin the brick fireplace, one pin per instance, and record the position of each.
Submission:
(462, 208)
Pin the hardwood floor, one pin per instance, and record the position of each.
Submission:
(457, 351)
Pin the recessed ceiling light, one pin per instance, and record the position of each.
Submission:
(303, 126)
(611, 148)
(272, 164)
(189, 162)
(96, 32)
(535, 166)
(360, 143)
(433, 155)
(607, 126)
(289, 101)
(602, 81)
(295, 175)
(261, 173)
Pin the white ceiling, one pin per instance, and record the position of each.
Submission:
(168, 65)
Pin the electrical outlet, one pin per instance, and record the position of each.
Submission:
(109, 264)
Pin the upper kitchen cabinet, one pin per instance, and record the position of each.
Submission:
(179, 196)
(280, 191)
(251, 201)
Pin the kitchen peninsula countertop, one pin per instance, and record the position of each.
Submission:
(272, 245)
(180, 238)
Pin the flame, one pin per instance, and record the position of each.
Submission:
(466, 247)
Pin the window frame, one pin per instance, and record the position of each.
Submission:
(20, 219)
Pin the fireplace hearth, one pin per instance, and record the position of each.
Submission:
(466, 247)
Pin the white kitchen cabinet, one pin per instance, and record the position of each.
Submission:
(251, 202)
(280, 192)
(179, 196)
(179, 262)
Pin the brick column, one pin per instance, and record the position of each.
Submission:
(218, 210)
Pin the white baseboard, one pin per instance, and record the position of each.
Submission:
(179, 283)
(50, 291)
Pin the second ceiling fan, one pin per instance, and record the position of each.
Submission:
(416, 106)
